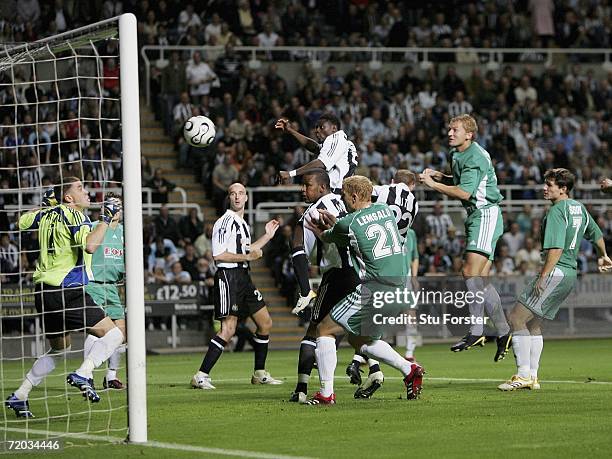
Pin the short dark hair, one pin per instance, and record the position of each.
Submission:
(61, 189)
(321, 177)
(561, 177)
(330, 118)
(405, 176)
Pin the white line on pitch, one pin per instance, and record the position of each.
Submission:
(156, 444)
(428, 378)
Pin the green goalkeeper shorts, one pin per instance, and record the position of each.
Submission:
(559, 285)
(483, 227)
(107, 297)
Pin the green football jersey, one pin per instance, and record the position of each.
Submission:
(564, 226)
(107, 263)
(473, 172)
(374, 242)
(62, 237)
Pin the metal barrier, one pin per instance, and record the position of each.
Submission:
(375, 56)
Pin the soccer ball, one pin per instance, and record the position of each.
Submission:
(199, 131)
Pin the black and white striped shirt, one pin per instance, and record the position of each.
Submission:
(438, 225)
(401, 200)
(322, 254)
(231, 233)
(339, 156)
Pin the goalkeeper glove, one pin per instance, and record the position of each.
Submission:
(110, 208)
(303, 302)
(49, 199)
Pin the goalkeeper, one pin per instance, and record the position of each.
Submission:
(63, 269)
(108, 270)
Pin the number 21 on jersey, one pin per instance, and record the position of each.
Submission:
(387, 240)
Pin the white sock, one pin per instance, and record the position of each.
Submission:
(100, 352)
(359, 359)
(372, 362)
(114, 361)
(88, 344)
(326, 363)
(40, 369)
(537, 344)
(493, 306)
(521, 344)
(476, 286)
(201, 374)
(411, 340)
(383, 351)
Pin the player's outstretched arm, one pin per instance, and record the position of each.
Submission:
(271, 228)
(314, 164)
(227, 257)
(604, 264)
(308, 143)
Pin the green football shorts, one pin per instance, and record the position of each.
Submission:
(559, 285)
(363, 311)
(107, 297)
(483, 228)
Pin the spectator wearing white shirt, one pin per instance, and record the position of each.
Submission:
(529, 255)
(214, 28)
(513, 239)
(268, 38)
(372, 126)
(427, 97)
(199, 76)
(525, 91)
(188, 18)
(160, 249)
(459, 106)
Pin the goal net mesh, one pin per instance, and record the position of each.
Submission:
(60, 117)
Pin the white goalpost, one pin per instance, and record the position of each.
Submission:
(69, 106)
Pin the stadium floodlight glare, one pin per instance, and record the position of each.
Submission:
(85, 97)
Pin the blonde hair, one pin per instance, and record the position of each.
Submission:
(359, 185)
(468, 122)
(405, 176)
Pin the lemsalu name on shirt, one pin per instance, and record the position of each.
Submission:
(374, 216)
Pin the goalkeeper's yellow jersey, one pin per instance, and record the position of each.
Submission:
(62, 236)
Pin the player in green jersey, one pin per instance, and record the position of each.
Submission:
(63, 269)
(371, 234)
(108, 268)
(564, 226)
(474, 183)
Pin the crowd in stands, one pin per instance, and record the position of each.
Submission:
(528, 120)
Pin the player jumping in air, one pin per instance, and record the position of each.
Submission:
(474, 183)
(337, 154)
(564, 226)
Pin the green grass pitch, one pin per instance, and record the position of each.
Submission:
(460, 413)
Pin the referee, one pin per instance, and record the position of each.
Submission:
(235, 296)
(63, 269)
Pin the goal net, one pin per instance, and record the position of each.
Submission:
(69, 108)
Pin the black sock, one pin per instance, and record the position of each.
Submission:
(305, 363)
(261, 351)
(374, 368)
(339, 339)
(300, 267)
(215, 349)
